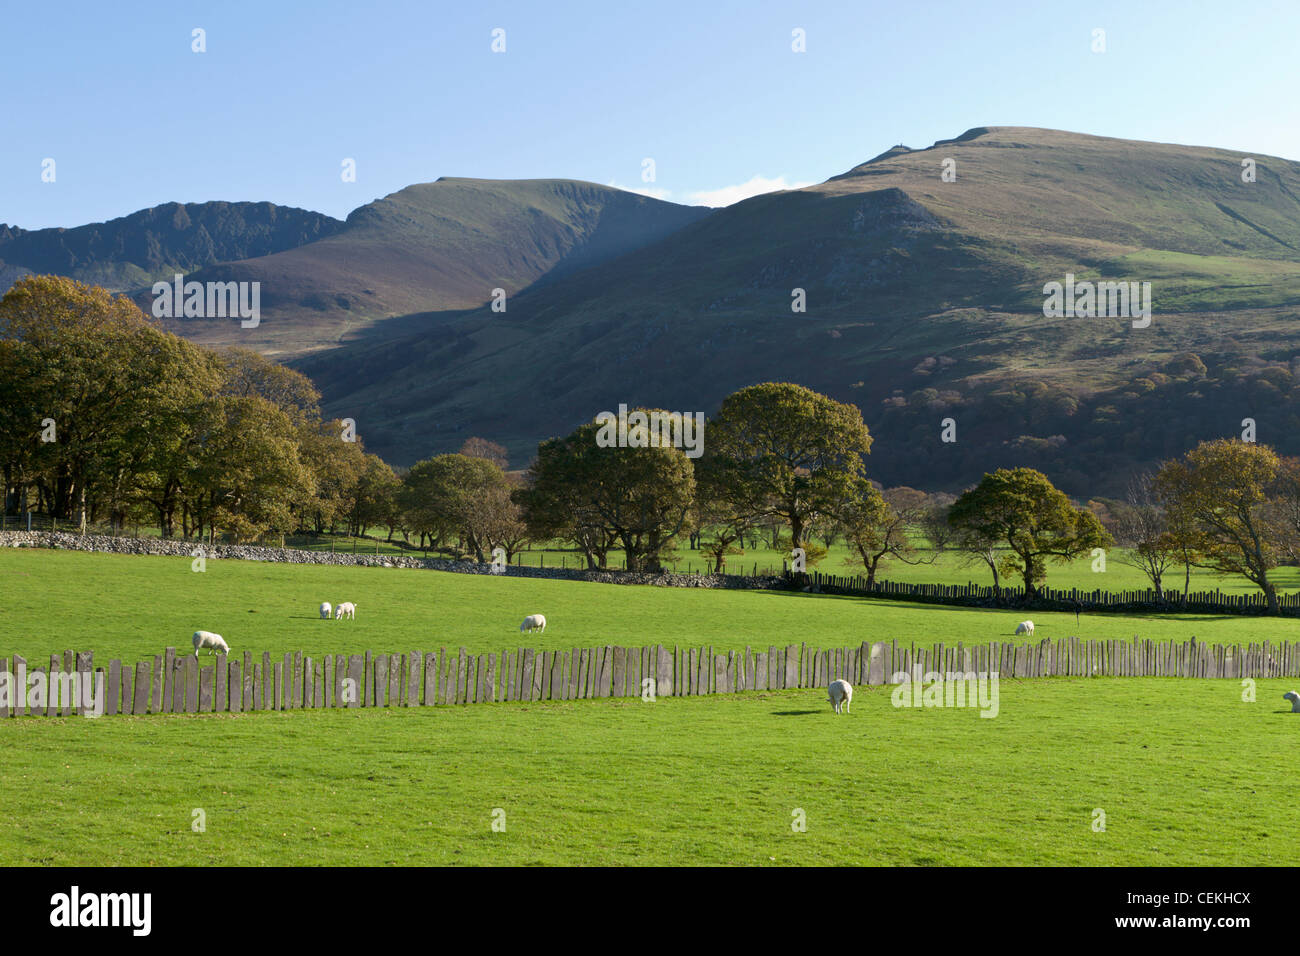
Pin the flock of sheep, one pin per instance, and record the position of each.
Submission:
(346, 609)
(839, 693)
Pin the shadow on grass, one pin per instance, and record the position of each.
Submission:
(793, 713)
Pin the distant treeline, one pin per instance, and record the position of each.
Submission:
(105, 416)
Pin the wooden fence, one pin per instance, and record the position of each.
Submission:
(172, 683)
(1064, 599)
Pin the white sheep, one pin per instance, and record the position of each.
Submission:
(1295, 701)
(326, 611)
(840, 693)
(1025, 627)
(345, 609)
(534, 622)
(214, 642)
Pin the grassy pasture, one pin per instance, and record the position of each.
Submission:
(947, 568)
(1186, 773)
(132, 607)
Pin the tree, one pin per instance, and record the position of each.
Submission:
(104, 379)
(1023, 510)
(336, 467)
(250, 373)
(877, 524)
(456, 495)
(482, 448)
(1284, 508)
(933, 522)
(784, 451)
(1141, 526)
(640, 494)
(247, 473)
(721, 531)
(497, 520)
(981, 547)
(1219, 493)
(372, 498)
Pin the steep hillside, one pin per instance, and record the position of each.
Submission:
(924, 299)
(435, 247)
(156, 243)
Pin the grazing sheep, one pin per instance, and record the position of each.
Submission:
(840, 693)
(345, 609)
(1025, 627)
(534, 622)
(326, 611)
(1295, 701)
(214, 642)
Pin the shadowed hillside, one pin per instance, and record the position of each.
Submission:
(924, 300)
(433, 247)
(156, 243)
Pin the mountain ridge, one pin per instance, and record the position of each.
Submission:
(922, 296)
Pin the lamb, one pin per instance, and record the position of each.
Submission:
(534, 622)
(326, 611)
(345, 609)
(840, 693)
(1025, 627)
(214, 642)
(1295, 701)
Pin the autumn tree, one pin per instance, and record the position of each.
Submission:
(1219, 492)
(878, 525)
(92, 391)
(465, 497)
(336, 467)
(247, 472)
(476, 447)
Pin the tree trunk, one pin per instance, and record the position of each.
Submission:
(796, 531)
(1270, 595)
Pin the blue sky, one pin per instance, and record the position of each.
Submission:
(711, 91)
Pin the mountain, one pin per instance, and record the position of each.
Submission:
(925, 300)
(430, 248)
(156, 243)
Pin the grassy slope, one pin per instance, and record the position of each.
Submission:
(143, 604)
(1185, 772)
(435, 246)
(898, 266)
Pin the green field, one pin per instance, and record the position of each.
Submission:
(947, 568)
(1185, 772)
(133, 607)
